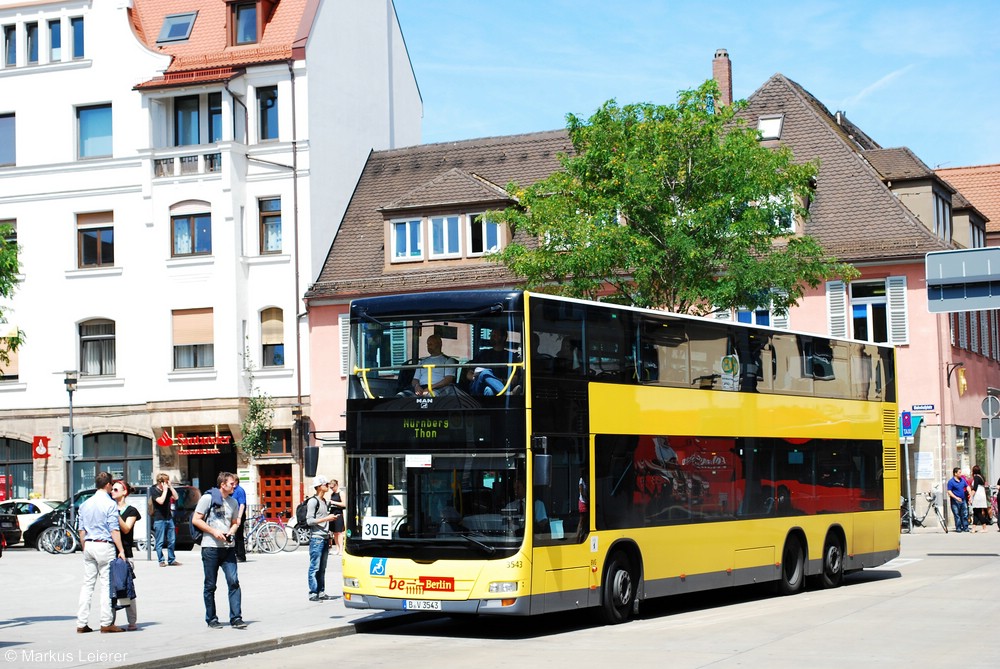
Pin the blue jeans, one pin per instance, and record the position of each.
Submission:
(319, 551)
(960, 512)
(211, 560)
(163, 530)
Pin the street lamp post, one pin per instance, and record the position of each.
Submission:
(71, 380)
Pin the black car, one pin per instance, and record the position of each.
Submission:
(45, 521)
(10, 529)
(187, 499)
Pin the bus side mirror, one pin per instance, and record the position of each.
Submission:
(542, 470)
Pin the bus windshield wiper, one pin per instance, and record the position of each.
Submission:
(486, 548)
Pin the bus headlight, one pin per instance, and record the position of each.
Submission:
(503, 587)
(350, 582)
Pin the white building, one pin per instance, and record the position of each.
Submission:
(175, 171)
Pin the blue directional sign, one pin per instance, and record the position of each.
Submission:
(963, 280)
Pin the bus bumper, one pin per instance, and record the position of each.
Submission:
(520, 606)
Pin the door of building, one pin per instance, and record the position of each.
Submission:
(276, 489)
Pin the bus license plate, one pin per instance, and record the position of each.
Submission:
(421, 605)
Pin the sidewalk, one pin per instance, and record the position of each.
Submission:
(39, 595)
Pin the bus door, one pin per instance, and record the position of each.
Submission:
(560, 527)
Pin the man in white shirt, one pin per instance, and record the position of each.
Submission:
(101, 538)
(438, 377)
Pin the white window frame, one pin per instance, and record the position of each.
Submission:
(450, 226)
(838, 310)
(484, 224)
(769, 127)
(411, 254)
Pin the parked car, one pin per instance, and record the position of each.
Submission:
(47, 520)
(187, 499)
(9, 528)
(27, 510)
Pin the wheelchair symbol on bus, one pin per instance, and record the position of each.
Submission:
(378, 567)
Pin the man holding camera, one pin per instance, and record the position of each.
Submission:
(217, 515)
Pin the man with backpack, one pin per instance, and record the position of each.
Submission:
(217, 517)
(318, 516)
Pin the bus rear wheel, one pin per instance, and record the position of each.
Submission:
(833, 563)
(618, 590)
(793, 567)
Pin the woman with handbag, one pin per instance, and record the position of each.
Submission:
(980, 501)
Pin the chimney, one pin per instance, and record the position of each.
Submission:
(722, 72)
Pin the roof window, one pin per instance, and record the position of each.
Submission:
(770, 127)
(177, 27)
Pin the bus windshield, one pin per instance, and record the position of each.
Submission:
(442, 505)
(476, 351)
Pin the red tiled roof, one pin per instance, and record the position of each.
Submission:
(206, 48)
(980, 184)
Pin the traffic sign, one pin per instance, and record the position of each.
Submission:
(991, 406)
(907, 424)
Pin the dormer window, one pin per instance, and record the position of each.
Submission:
(246, 22)
(177, 27)
(769, 127)
(450, 236)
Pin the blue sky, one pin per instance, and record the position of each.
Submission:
(925, 75)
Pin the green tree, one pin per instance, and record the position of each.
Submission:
(676, 207)
(256, 425)
(10, 337)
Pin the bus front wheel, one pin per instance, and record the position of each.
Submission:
(619, 590)
(793, 567)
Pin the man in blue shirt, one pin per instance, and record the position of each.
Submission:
(97, 522)
(958, 494)
(240, 495)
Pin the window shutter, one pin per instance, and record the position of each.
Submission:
(951, 327)
(397, 342)
(271, 326)
(984, 332)
(193, 326)
(836, 308)
(974, 331)
(899, 327)
(344, 323)
(779, 322)
(963, 331)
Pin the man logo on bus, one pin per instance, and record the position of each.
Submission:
(377, 567)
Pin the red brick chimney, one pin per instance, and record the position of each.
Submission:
(722, 72)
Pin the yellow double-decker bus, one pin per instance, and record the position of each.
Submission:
(514, 453)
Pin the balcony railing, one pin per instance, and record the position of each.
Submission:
(200, 163)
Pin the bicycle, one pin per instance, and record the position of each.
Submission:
(60, 539)
(295, 535)
(906, 516)
(263, 535)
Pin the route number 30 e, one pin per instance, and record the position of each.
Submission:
(376, 527)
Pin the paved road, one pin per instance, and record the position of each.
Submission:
(38, 603)
(939, 601)
(935, 606)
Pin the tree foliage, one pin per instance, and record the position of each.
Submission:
(10, 338)
(256, 426)
(675, 206)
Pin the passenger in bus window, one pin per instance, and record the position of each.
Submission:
(487, 372)
(442, 374)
